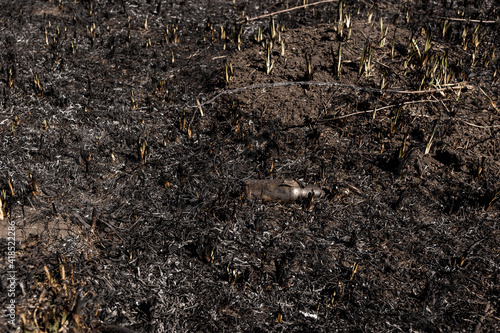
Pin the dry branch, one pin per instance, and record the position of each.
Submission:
(460, 85)
(287, 10)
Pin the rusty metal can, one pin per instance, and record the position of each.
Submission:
(280, 190)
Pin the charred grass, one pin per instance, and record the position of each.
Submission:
(128, 130)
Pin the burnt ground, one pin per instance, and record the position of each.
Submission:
(128, 202)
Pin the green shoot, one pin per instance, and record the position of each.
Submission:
(348, 25)
(272, 29)
(338, 61)
(143, 150)
(228, 71)
(340, 18)
(402, 149)
(393, 47)
(310, 70)
(370, 13)
(383, 34)
(431, 138)
(259, 38)
(383, 83)
(394, 121)
(269, 61)
(446, 27)
(365, 65)
(132, 99)
(428, 45)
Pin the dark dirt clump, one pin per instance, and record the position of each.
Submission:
(128, 130)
